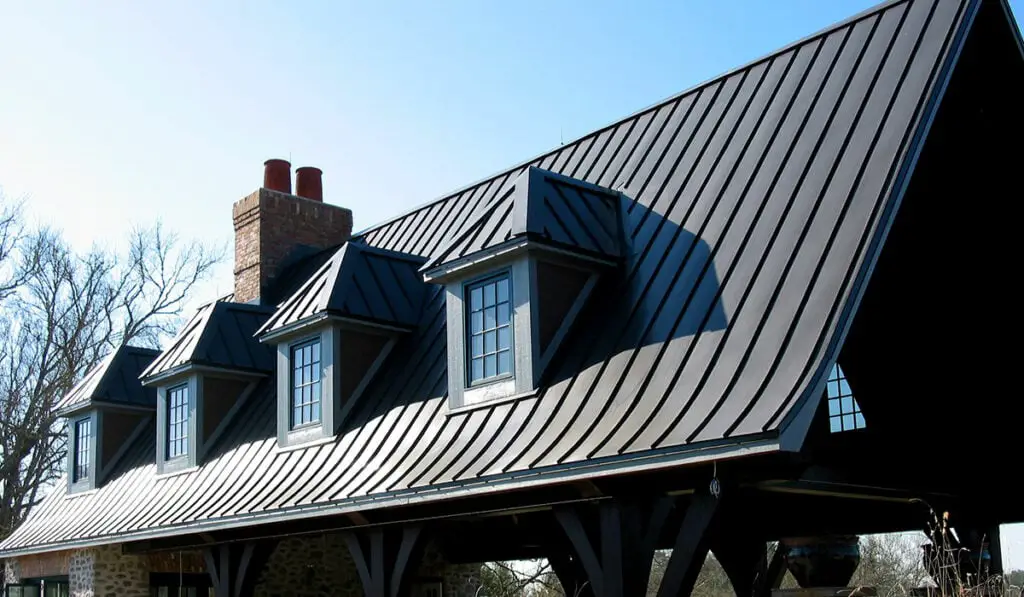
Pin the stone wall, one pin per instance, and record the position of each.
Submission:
(315, 566)
(321, 566)
(102, 571)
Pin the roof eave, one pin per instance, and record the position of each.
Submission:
(647, 461)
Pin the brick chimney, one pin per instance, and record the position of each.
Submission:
(274, 227)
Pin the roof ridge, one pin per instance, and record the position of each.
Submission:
(878, 8)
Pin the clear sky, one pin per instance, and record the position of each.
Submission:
(116, 113)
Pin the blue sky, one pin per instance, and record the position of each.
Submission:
(119, 113)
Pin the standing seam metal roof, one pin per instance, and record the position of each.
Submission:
(754, 200)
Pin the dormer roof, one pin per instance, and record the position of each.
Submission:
(555, 210)
(219, 336)
(113, 381)
(358, 283)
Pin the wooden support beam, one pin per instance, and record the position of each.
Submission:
(384, 558)
(234, 568)
(773, 574)
(744, 560)
(690, 548)
(613, 549)
(570, 574)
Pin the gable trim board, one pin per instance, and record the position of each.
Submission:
(743, 271)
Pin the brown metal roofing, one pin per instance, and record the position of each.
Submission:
(756, 200)
(357, 282)
(114, 381)
(220, 335)
(545, 206)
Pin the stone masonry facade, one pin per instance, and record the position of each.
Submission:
(270, 226)
(314, 566)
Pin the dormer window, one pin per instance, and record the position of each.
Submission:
(177, 421)
(83, 450)
(334, 333)
(203, 380)
(489, 304)
(517, 276)
(306, 383)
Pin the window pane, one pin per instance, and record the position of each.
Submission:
(844, 387)
(316, 391)
(476, 322)
(477, 369)
(488, 295)
(833, 408)
(503, 290)
(490, 339)
(315, 352)
(315, 409)
(489, 321)
(504, 337)
(476, 299)
(835, 424)
(848, 422)
(477, 345)
(847, 405)
(490, 365)
(859, 419)
(833, 389)
(503, 314)
(504, 362)
(296, 415)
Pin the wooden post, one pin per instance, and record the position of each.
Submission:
(690, 549)
(234, 568)
(613, 550)
(384, 557)
(745, 561)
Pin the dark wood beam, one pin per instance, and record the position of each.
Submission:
(234, 568)
(384, 557)
(690, 548)
(614, 546)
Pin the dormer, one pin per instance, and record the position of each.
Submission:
(105, 412)
(334, 332)
(203, 378)
(516, 277)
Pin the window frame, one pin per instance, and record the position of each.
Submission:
(467, 331)
(76, 476)
(293, 347)
(169, 422)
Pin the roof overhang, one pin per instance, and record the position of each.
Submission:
(186, 369)
(503, 253)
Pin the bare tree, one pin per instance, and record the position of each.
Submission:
(61, 311)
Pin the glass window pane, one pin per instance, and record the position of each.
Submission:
(833, 408)
(848, 422)
(490, 365)
(488, 295)
(489, 321)
(504, 362)
(503, 314)
(315, 352)
(296, 415)
(476, 322)
(477, 345)
(859, 419)
(835, 424)
(833, 389)
(504, 337)
(477, 369)
(844, 387)
(490, 342)
(315, 410)
(476, 299)
(847, 404)
(503, 290)
(316, 391)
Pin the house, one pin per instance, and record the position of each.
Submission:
(753, 311)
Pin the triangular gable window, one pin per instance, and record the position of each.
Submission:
(843, 411)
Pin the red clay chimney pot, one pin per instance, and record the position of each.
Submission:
(309, 183)
(277, 176)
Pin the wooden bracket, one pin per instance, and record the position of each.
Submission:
(690, 549)
(234, 568)
(384, 558)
